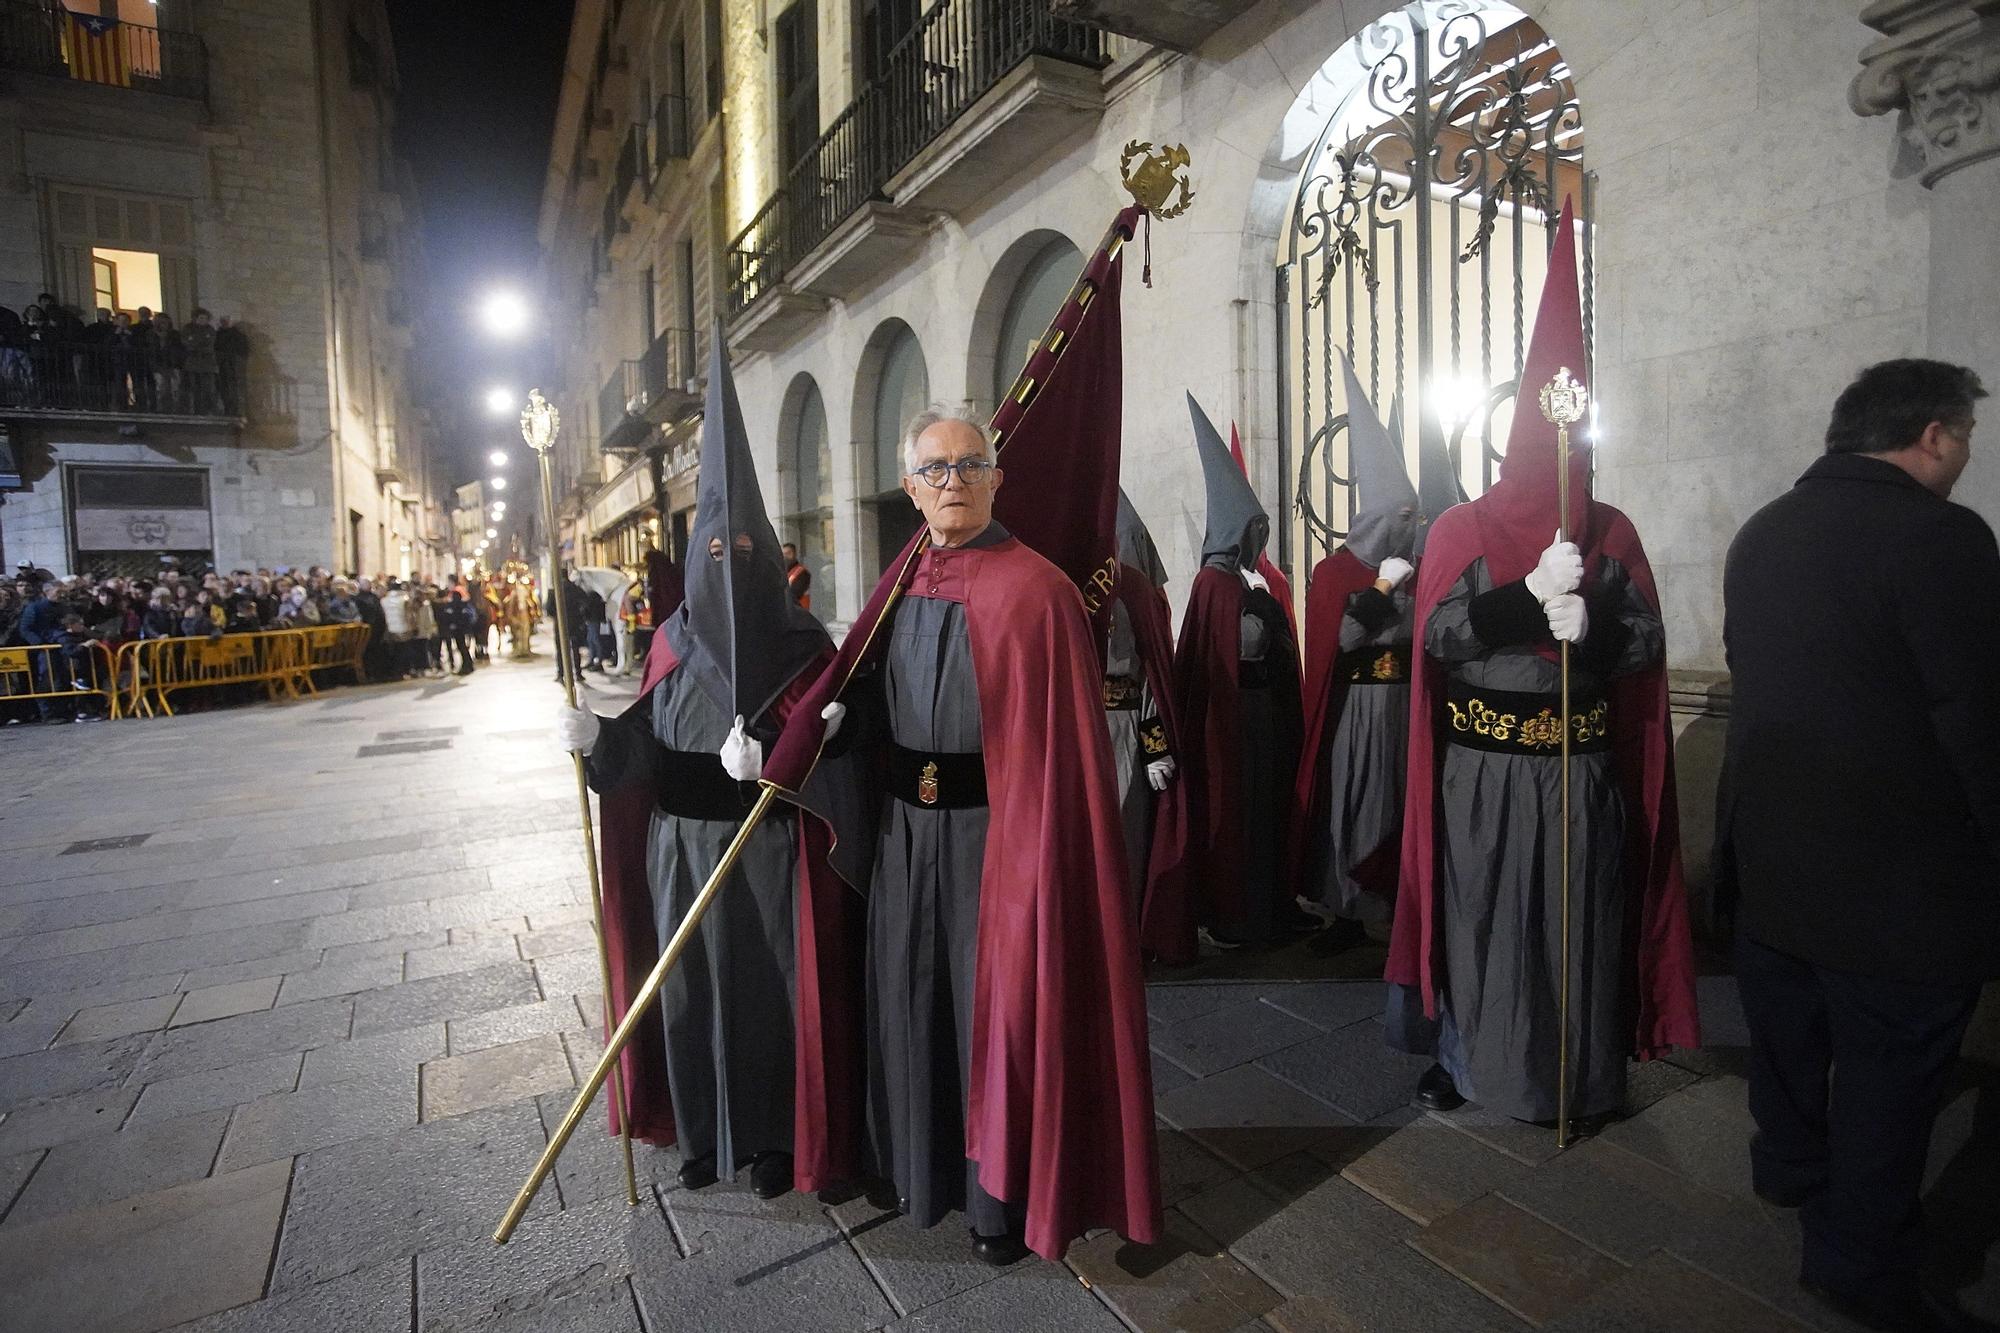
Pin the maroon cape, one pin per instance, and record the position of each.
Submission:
(1152, 631)
(1206, 693)
(1659, 972)
(1333, 581)
(1059, 1114)
(826, 1043)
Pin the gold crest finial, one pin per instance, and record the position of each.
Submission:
(1564, 401)
(1152, 176)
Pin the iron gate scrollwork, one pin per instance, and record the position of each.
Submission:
(1456, 131)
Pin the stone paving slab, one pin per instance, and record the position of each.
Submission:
(233, 1085)
(42, 1075)
(460, 995)
(1522, 1262)
(1044, 1298)
(556, 1014)
(1232, 1035)
(1187, 1282)
(1666, 1295)
(1248, 1117)
(1428, 1170)
(178, 1254)
(137, 1160)
(15, 1171)
(233, 1041)
(294, 1122)
(374, 1300)
(119, 1020)
(213, 1002)
(546, 1266)
(494, 1076)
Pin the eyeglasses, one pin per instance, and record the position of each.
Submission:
(971, 471)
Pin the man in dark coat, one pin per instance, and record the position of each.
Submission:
(1859, 819)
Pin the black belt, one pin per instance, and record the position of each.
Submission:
(1388, 664)
(694, 785)
(936, 781)
(1526, 722)
(1121, 694)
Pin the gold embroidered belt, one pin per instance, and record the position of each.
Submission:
(937, 780)
(1524, 722)
(1384, 664)
(1121, 693)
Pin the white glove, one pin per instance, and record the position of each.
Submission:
(1159, 773)
(1558, 571)
(742, 754)
(1568, 620)
(1254, 579)
(576, 728)
(833, 715)
(1394, 570)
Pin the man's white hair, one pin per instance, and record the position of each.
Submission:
(931, 416)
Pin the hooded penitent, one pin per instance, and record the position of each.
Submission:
(1281, 587)
(762, 1015)
(1634, 952)
(1057, 1106)
(1236, 691)
(1139, 712)
(1348, 800)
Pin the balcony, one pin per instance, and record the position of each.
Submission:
(658, 389)
(621, 404)
(38, 38)
(670, 139)
(1181, 25)
(971, 95)
(90, 381)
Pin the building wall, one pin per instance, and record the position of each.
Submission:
(276, 235)
(1753, 254)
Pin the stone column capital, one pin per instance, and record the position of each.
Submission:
(1937, 66)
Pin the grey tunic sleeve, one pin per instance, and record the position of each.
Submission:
(1448, 634)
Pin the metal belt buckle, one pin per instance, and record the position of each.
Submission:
(927, 784)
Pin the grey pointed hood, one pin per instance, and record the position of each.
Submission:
(1385, 514)
(1135, 543)
(1238, 527)
(738, 630)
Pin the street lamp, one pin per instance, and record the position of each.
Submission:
(491, 532)
(498, 458)
(499, 400)
(505, 313)
(498, 483)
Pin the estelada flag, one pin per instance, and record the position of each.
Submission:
(94, 49)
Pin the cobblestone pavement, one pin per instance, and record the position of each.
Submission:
(290, 997)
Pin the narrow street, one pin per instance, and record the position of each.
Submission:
(294, 993)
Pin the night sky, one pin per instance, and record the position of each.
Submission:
(478, 103)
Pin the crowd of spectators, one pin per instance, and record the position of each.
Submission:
(416, 627)
(141, 361)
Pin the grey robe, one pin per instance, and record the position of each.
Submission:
(729, 1005)
(923, 931)
(1500, 899)
(1365, 766)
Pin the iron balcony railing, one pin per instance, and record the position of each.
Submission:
(957, 52)
(43, 38)
(670, 139)
(122, 379)
(623, 404)
(667, 367)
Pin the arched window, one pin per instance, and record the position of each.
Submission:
(1437, 146)
(1038, 293)
(901, 389)
(805, 467)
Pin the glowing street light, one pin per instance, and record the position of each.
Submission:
(491, 533)
(499, 400)
(498, 458)
(505, 313)
(498, 483)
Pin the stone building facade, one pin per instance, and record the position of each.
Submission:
(234, 155)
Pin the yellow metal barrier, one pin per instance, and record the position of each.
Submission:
(281, 660)
(49, 671)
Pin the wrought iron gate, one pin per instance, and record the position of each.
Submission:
(1455, 137)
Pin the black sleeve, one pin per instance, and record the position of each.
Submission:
(1508, 615)
(1372, 609)
(1604, 642)
(626, 749)
(1947, 597)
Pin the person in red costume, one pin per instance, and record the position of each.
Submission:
(1476, 957)
(1139, 705)
(749, 1059)
(1236, 675)
(1347, 826)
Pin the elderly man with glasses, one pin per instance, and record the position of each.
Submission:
(1007, 1066)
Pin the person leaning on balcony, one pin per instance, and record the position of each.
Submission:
(198, 338)
(169, 359)
(232, 357)
(145, 354)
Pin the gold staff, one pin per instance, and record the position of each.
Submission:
(539, 424)
(1563, 403)
(1150, 184)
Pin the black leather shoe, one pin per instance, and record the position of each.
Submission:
(999, 1251)
(771, 1174)
(1436, 1091)
(1921, 1312)
(696, 1174)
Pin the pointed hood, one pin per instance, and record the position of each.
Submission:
(1385, 512)
(1238, 527)
(1524, 499)
(1135, 543)
(737, 630)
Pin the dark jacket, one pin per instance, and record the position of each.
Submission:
(1860, 801)
(40, 619)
